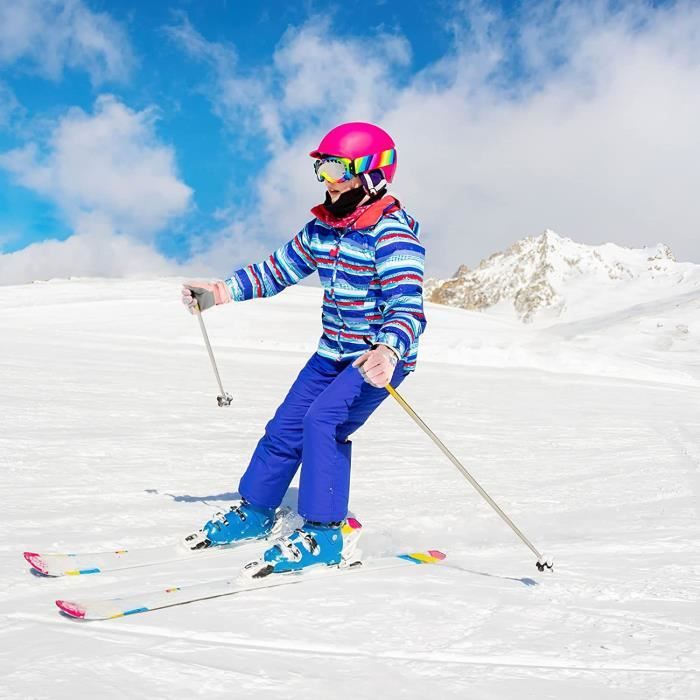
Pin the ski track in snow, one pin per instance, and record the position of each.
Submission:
(112, 437)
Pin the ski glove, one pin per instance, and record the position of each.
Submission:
(377, 365)
(204, 294)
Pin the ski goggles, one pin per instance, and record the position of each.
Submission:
(335, 169)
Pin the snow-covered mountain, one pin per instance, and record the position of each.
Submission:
(551, 277)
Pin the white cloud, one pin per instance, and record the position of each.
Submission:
(9, 106)
(87, 255)
(230, 239)
(105, 170)
(238, 100)
(595, 137)
(311, 72)
(301, 87)
(115, 183)
(52, 35)
(318, 71)
(600, 147)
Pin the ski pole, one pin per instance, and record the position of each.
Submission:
(223, 399)
(542, 562)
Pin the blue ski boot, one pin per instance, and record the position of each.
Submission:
(313, 544)
(243, 522)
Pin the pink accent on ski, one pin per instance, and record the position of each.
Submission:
(34, 560)
(72, 609)
(354, 524)
(437, 554)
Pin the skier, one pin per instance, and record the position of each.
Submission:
(366, 250)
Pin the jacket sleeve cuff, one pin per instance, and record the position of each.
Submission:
(234, 288)
(392, 341)
(392, 348)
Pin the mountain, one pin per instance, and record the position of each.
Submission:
(549, 277)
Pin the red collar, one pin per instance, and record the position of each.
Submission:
(363, 217)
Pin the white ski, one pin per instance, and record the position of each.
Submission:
(179, 595)
(78, 564)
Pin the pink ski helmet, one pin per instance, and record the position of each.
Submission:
(360, 140)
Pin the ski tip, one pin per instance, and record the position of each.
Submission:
(34, 560)
(71, 609)
(437, 554)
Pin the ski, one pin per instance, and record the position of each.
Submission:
(55, 564)
(107, 609)
(79, 564)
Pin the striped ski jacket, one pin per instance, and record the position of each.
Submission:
(372, 277)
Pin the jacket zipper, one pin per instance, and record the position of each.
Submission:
(336, 255)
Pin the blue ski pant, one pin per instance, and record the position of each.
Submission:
(327, 402)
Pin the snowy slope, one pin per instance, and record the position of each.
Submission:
(549, 278)
(586, 431)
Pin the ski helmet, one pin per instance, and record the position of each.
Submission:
(360, 140)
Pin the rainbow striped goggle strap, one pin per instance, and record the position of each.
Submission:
(336, 169)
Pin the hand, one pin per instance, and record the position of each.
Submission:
(199, 295)
(377, 366)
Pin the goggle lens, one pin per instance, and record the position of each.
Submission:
(333, 170)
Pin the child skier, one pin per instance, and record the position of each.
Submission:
(366, 250)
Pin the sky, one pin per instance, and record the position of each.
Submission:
(156, 137)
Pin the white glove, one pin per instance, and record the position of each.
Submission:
(204, 294)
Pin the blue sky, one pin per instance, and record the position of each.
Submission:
(213, 163)
(176, 132)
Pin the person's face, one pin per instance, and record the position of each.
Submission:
(336, 189)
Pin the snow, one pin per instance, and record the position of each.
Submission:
(585, 430)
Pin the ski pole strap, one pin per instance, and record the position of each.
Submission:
(466, 474)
